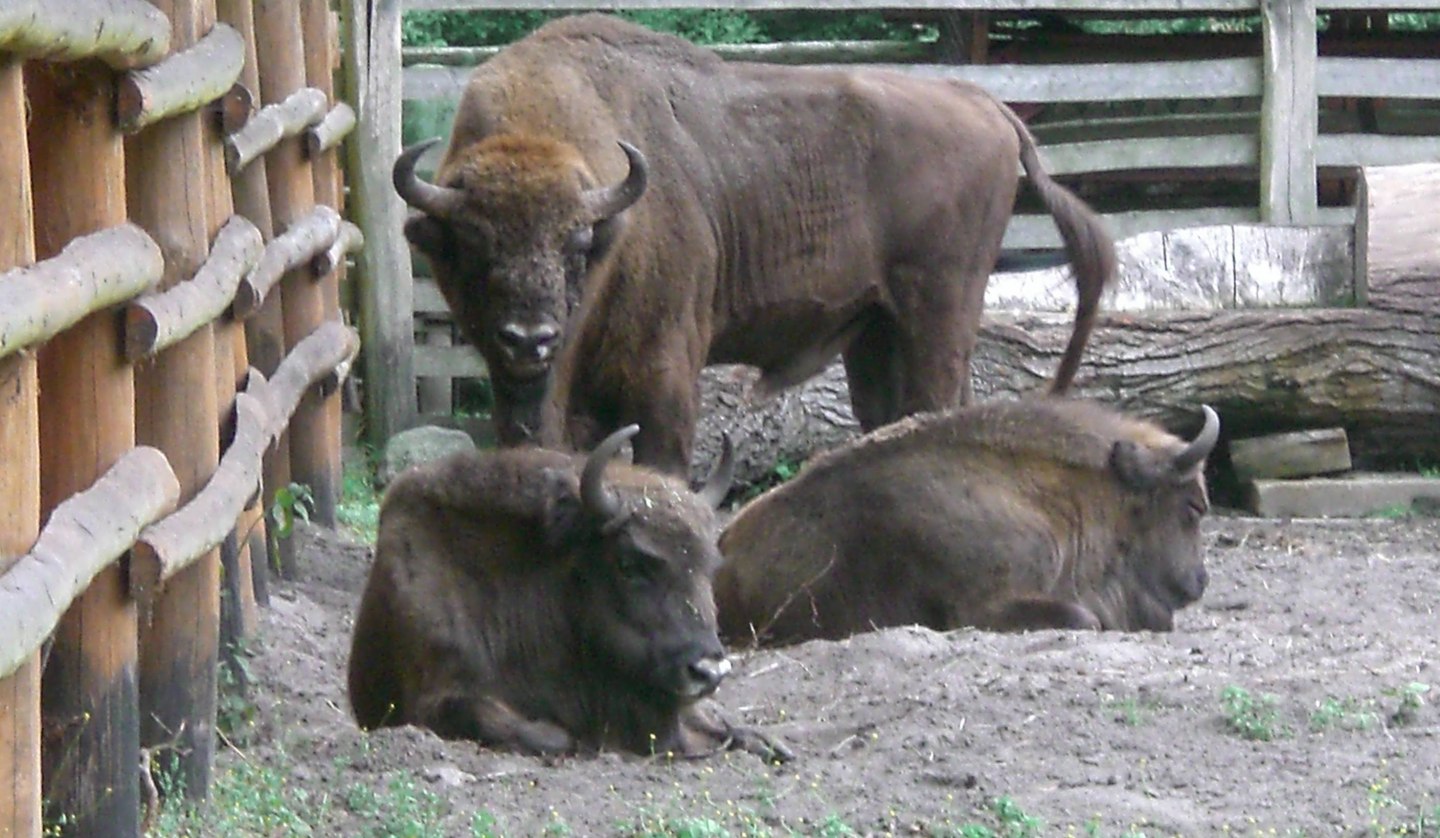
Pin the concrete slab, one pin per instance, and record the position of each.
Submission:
(1351, 496)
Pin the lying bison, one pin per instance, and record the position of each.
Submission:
(525, 599)
(1031, 514)
(717, 212)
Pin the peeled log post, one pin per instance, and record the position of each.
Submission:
(273, 124)
(156, 321)
(90, 274)
(311, 235)
(328, 133)
(84, 535)
(87, 423)
(169, 545)
(21, 798)
(121, 33)
(181, 83)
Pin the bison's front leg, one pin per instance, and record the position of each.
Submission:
(703, 730)
(493, 722)
(1037, 612)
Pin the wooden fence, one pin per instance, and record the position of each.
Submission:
(1237, 107)
(168, 321)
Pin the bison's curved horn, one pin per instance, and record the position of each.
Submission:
(438, 201)
(717, 485)
(1200, 447)
(609, 201)
(598, 502)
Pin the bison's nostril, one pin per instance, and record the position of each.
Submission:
(709, 672)
(513, 336)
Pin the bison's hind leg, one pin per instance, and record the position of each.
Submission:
(1034, 613)
(872, 372)
(492, 722)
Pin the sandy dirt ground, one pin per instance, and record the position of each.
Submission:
(1292, 700)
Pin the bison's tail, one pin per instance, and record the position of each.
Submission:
(1087, 244)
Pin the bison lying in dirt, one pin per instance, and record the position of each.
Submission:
(710, 212)
(1044, 513)
(528, 600)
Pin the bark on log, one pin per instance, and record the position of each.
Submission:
(272, 124)
(84, 535)
(313, 358)
(169, 545)
(89, 274)
(328, 132)
(1375, 373)
(156, 321)
(312, 234)
(122, 33)
(184, 82)
(348, 241)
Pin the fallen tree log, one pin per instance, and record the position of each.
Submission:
(1374, 373)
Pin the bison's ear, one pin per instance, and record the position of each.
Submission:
(428, 234)
(564, 513)
(607, 232)
(1138, 467)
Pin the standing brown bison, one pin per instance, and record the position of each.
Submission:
(1031, 514)
(718, 212)
(529, 600)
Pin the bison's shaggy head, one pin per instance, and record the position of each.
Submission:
(1165, 500)
(511, 229)
(645, 610)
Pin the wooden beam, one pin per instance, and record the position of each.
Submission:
(1397, 238)
(372, 67)
(312, 359)
(87, 423)
(20, 792)
(330, 131)
(157, 321)
(348, 241)
(84, 535)
(90, 274)
(168, 193)
(1289, 113)
(273, 124)
(311, 235)
(171, 544)
(121, 33)
(183, 82)
(1003, 6)
(1390, 78)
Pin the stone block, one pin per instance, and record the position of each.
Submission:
(1352, 496)
(1296, 454)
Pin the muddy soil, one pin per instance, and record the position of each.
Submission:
(1328, 631)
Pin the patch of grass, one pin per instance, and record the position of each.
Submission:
(778, 473)
(401, 809)
(1129, 711)
(1387, 817)
(359, 507)
(1393, 512)
(247, 798)
(1409, 700)
(1344, 714)
(1253, 717)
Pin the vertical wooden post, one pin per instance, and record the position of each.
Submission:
(1289, 113)
(91, 743)
(264, 343)
(318, 46)
(281, 50)
(20, 795)
(387, 303)
(167, 190)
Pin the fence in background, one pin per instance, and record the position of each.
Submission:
(168, 320)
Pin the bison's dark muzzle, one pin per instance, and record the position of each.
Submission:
(704, 675)
(530, 349)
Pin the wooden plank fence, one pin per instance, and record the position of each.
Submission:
(132, 426)
(1244, 107)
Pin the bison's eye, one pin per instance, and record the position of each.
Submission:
(579, 242)
(636, 566)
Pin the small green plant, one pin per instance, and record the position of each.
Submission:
(1409, 701)
(484, 825)
(1128, 711)
(402, 810)
(1342, 713)
(782, 471)
(1253, 717)
(1013, 821)
(235, 713)
(292, 503)
(359, 506)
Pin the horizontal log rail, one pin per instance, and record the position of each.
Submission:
(85, 535)
(169, 545)
(124, 34)
(91, 273)
(348, 241)
(272, 124)
(184, 82)
(312, 359)
(311, 234)
(330, 131)
(156, 321)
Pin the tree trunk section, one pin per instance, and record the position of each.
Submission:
(90, 694)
